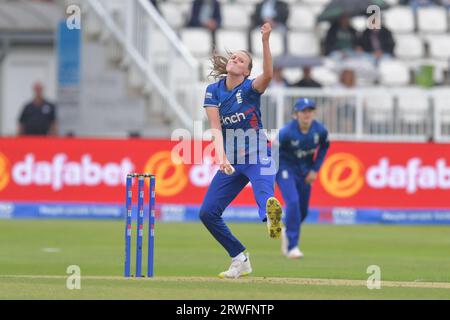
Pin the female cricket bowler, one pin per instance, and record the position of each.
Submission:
(303, 144)
(232, 104)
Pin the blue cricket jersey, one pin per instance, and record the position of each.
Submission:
(298, 150)
(239, 108)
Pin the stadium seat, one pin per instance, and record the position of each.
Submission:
(399, 19)
(324, 76)
(432, 19)
(230, 41)
(176, 14)
(292, 75)
(235, 16)
(316, 8)
(393, 73)
(276, 43)
(439, 46)
(322, 29)
(303, 44)
(365, 71)
(301, 18)
(197, 40)
(408, 46)
(413, 106)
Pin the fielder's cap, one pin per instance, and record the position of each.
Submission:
(304, 103)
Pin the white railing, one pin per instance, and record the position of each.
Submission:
(365, 114)
(162, 66)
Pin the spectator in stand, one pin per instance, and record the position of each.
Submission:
(206, 14)
(341, 39)
(378, 43)
(347, 79)
(39, 116)
(276, 13)
(307, 81)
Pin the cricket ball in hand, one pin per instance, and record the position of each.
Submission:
(229, 170)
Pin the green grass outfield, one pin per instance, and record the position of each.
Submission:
(34, 256)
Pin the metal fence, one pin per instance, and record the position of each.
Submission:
(368, 114)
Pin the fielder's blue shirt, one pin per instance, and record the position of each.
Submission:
(298, 150)
(239, 108)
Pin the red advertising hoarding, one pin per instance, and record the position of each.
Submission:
(364, 175)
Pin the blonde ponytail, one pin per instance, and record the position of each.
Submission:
(219, 64)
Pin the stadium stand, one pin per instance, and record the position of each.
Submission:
(419, 36)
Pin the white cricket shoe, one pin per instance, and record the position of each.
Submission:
(284, 242)
(294, 253)
(237, 269)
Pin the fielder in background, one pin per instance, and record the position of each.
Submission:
(303, 144)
